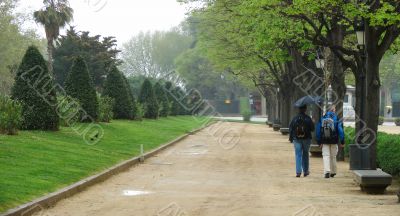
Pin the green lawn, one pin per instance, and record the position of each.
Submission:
(35, 163)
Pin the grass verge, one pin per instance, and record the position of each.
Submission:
(36, 163)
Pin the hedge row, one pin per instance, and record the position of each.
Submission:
(38, 104)
(388, 150)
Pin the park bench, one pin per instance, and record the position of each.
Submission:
(276, 127)
(315, 150)
(284, 131)
(372, 181)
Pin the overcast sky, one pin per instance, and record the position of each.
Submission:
(119, 18)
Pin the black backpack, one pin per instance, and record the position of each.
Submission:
(301, 128)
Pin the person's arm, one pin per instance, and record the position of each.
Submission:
(291, 131)
(341, 132)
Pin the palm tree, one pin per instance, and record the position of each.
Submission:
(55, 15)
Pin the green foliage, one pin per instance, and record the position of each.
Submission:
(195, 103)
(115, 88)
(153, 54)
(79, 85)
(135, 82)
(148, 99)
(69, 110)
(244, 104)
(397, 121)
(99, 53)
(106, 105)
(162, 100)
(34, 88)
(14, 42)
(131, 97)
(388, 150)
(140, 112)
(246, 115)
(389, 153)
(10, 115)
(182, 101)
(200, 74)
(381, 120)
(55, 15)
(170, 92)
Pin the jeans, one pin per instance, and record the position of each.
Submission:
(302, 148)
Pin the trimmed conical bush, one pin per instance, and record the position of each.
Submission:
(34, 88)
(79, 85)
(174, 105)
(162, 100)
(115, 87)
(181, 105)
(148, 99)
(131, 98)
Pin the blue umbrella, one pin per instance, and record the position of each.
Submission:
(307, 100)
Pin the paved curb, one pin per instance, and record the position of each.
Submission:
(52, 198)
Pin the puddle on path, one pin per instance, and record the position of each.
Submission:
(198, 146)
(161, 163)
(192, 152)
(135, 192)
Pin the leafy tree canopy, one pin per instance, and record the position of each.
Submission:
(99, 53)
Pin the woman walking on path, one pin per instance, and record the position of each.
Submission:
(300, 134)
(329, 133)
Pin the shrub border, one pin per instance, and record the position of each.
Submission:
(51, 199)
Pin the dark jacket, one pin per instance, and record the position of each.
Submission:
(338, 127)
(308, 122)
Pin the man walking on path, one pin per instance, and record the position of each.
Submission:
(329, 133)
(300, 134)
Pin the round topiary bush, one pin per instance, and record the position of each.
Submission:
(162, 100)
(116, 89)
(79, 85)
(34, 88)
(148, 99)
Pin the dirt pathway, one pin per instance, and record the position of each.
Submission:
(199, 177)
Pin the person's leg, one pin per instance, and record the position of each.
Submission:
(298, 155)
(306, 156)
(334, 152)
(326, 158)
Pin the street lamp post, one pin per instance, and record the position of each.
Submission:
(361, 156)
(360, 33)
(320, 64)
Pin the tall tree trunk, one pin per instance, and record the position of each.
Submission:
(270, 101)
(50, 49)
(372, 107)
(285, 108)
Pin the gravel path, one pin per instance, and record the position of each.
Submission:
(199, 177)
